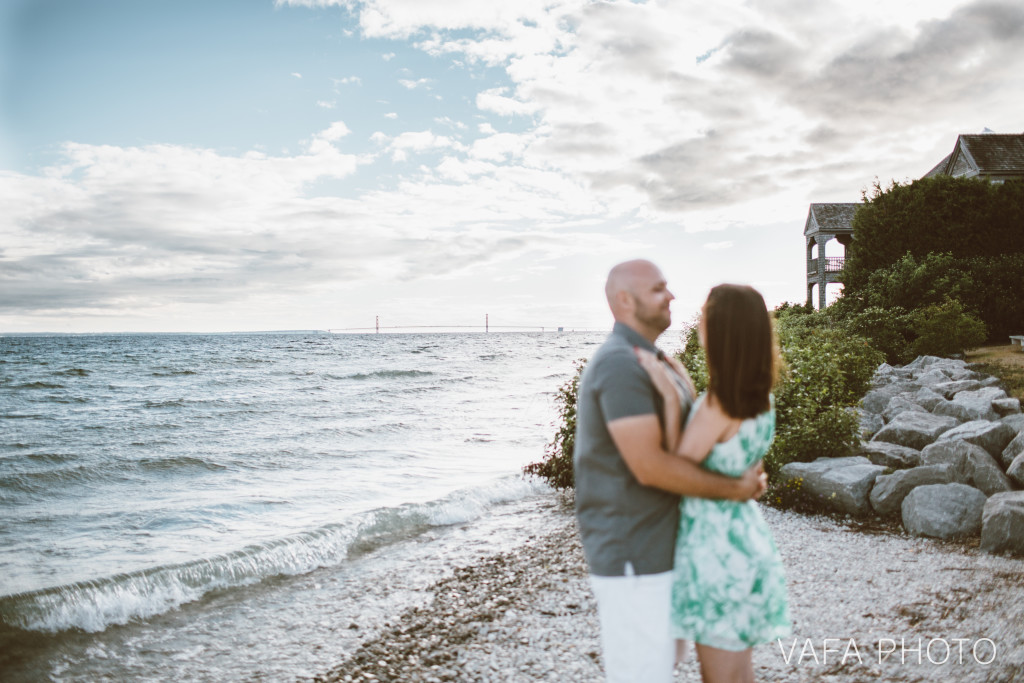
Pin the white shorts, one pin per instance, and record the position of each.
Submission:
(635, 634)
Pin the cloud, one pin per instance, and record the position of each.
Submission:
(391, 115)
(325, 105)
(716, 246)
(413, 84)
(296, 74)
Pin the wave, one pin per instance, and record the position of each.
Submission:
(390, 374)
(94, 605)
(73, 372)
(37, 385)
(173, 373)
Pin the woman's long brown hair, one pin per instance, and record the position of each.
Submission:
(740, 349)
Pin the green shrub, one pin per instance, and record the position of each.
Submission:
(556, 467)
(826, 370)
(944, 329)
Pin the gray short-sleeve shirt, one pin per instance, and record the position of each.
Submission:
(620, 520)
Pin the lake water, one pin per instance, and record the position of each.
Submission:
(237, 507)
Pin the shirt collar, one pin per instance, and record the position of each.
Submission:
(633, 337)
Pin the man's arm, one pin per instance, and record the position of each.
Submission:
(638, 439)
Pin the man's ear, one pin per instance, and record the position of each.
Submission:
(624, 300)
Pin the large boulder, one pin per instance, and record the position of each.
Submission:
(970, 464)
(943, 510)
(1003, 523)
(1012, 450)
(958, 412)
(931, 377)
(876, 400)
(890, 454)
(897, 405)
(979, 403)
(927, 399)
(1016, 470)
(992, 436)
(890, 489)
(841, 484)
(915, 430)
(867, 423)
(1014, 422)
(953, 387)
(1006, 406)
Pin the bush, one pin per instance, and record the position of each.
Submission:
(944, 329)
(826, 369)
(556, 467)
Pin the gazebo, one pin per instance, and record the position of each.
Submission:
(826, 222)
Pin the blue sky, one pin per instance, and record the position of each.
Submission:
(243, 165)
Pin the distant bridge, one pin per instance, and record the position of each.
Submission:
(486, 327)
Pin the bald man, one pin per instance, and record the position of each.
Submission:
(628, 487)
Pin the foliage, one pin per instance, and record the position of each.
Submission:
(826, 370)
(556, 468)
(964, 217)
(692, 357)
(944, 329)
(926, 242)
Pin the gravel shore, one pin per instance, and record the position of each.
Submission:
(868, 604)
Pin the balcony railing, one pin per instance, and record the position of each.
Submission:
(833, 264)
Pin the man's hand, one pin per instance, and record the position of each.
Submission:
(753, 483)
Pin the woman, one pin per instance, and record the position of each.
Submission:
(729, 588)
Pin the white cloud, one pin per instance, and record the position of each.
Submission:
(495, 100)
(296, 74)
(391, 115)
(716, 246)
(325, 105)
(347, 80)
(413, 84)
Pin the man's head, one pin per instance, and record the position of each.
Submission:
(638, 296)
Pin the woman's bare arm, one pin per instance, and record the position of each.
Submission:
(671, 402)
(709, 426)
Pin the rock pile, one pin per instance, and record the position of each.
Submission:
(942, 448)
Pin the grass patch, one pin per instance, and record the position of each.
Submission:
(1005, 362)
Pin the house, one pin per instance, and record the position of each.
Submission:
(993, 156)
(826, 222)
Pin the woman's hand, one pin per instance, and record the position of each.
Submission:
(659, 373)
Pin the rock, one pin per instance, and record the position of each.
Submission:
(890, 489)
(884, 374)
(952, 388)
(842, 484)
(897, 405)
(960, 373)
(1003, 523)
(876, 400)
(921, 362)
(915, 430)
(927, 399)
(990, 382)
(954, 410)
(890, 454)
(970, 464)
(1006, 406)
(943, 510)
(1012, 450)
(931, 377)
(992, 436)
(979, 403)
(868, 423)
(1015, 422)
(1016, 470)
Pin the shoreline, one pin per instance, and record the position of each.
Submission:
(866, 604)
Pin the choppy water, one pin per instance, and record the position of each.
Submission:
(218, 507)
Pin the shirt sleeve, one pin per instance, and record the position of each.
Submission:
(624, 389)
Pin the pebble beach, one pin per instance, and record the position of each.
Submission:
(868, 604)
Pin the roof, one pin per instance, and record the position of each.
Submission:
(984, 154)
(830, 218)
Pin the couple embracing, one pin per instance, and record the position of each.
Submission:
(665, 480)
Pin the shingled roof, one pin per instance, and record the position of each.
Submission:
(830, 218)
(984, 154)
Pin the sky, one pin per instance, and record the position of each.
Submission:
(196, 166)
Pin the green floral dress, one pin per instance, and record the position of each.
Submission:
(729, 587)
